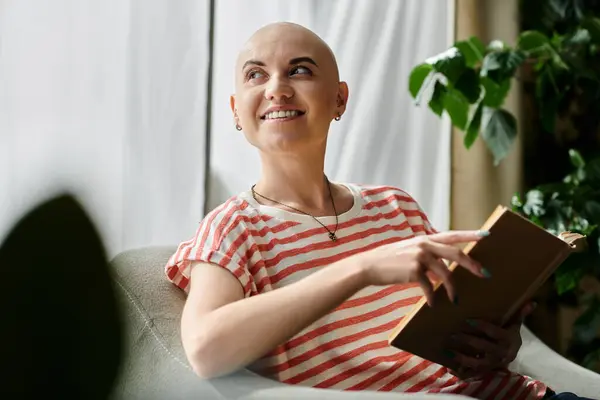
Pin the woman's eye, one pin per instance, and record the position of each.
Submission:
(254, 74)
(301, 70)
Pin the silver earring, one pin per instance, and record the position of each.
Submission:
(338, 117)
(238, 127)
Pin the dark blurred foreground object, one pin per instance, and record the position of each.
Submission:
(61, 332)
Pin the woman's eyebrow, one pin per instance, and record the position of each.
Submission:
(293, 61)
(253, 62)
(299, 60)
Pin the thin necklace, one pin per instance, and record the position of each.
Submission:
(332, 235)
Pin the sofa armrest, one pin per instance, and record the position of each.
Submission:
(537, 360)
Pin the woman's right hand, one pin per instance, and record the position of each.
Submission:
(412, 260)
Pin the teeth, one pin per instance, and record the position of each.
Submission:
(281, 114)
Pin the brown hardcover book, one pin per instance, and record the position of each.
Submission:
(520, 256)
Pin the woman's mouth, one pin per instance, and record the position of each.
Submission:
(280, 116)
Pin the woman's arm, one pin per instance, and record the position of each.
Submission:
(222, 331)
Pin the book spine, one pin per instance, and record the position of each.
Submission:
(560, 257)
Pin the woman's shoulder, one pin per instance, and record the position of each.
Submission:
(236, 204)
(234, 213)
(371, 192)
(395, 200)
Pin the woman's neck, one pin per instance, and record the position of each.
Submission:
(295, 181)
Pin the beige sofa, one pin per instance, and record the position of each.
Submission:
(155, 366)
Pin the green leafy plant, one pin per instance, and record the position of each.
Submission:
(556, 61)
(471, 80)
(573, 205)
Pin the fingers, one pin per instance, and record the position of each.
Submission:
(492, 331)
(425, 284)
(457, 237)
(480, 345)
(429, 262)
(470, 363)
(501, 344)
(455, 255)
(443, 273)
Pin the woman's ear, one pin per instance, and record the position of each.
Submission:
(342, 98)
(236, 119)
(232, 103)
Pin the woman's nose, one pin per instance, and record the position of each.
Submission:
(278, 89)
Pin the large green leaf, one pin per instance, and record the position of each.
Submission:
(534, 43)
(473, 126)
(495, 93)
(457, 107)
(472, 49)
(451, 63)
(499, 131)
(501, 65)
(468, 85)
(452, 101)
(592, 25)
(436, 103)
(417, 76)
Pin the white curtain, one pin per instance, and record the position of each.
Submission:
(383, 138)
(106, 99)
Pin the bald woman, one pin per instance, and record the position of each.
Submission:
(301, 279)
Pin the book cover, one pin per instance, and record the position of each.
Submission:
(520, 255)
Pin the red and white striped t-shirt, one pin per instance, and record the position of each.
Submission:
(266, 248)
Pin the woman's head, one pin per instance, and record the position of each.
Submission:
(287, 89)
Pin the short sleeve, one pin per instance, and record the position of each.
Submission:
(417, 216)
(220, 240)
(429, 229)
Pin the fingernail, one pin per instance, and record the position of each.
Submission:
(483, 233)
(448, 353)
(472, 323)
(486, 273)
(455, 300)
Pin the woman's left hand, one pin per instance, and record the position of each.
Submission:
(483, 347)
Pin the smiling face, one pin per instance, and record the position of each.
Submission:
(287, 89)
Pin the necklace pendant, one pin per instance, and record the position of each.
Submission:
(332, 236)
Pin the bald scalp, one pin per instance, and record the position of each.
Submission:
(268, 33)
